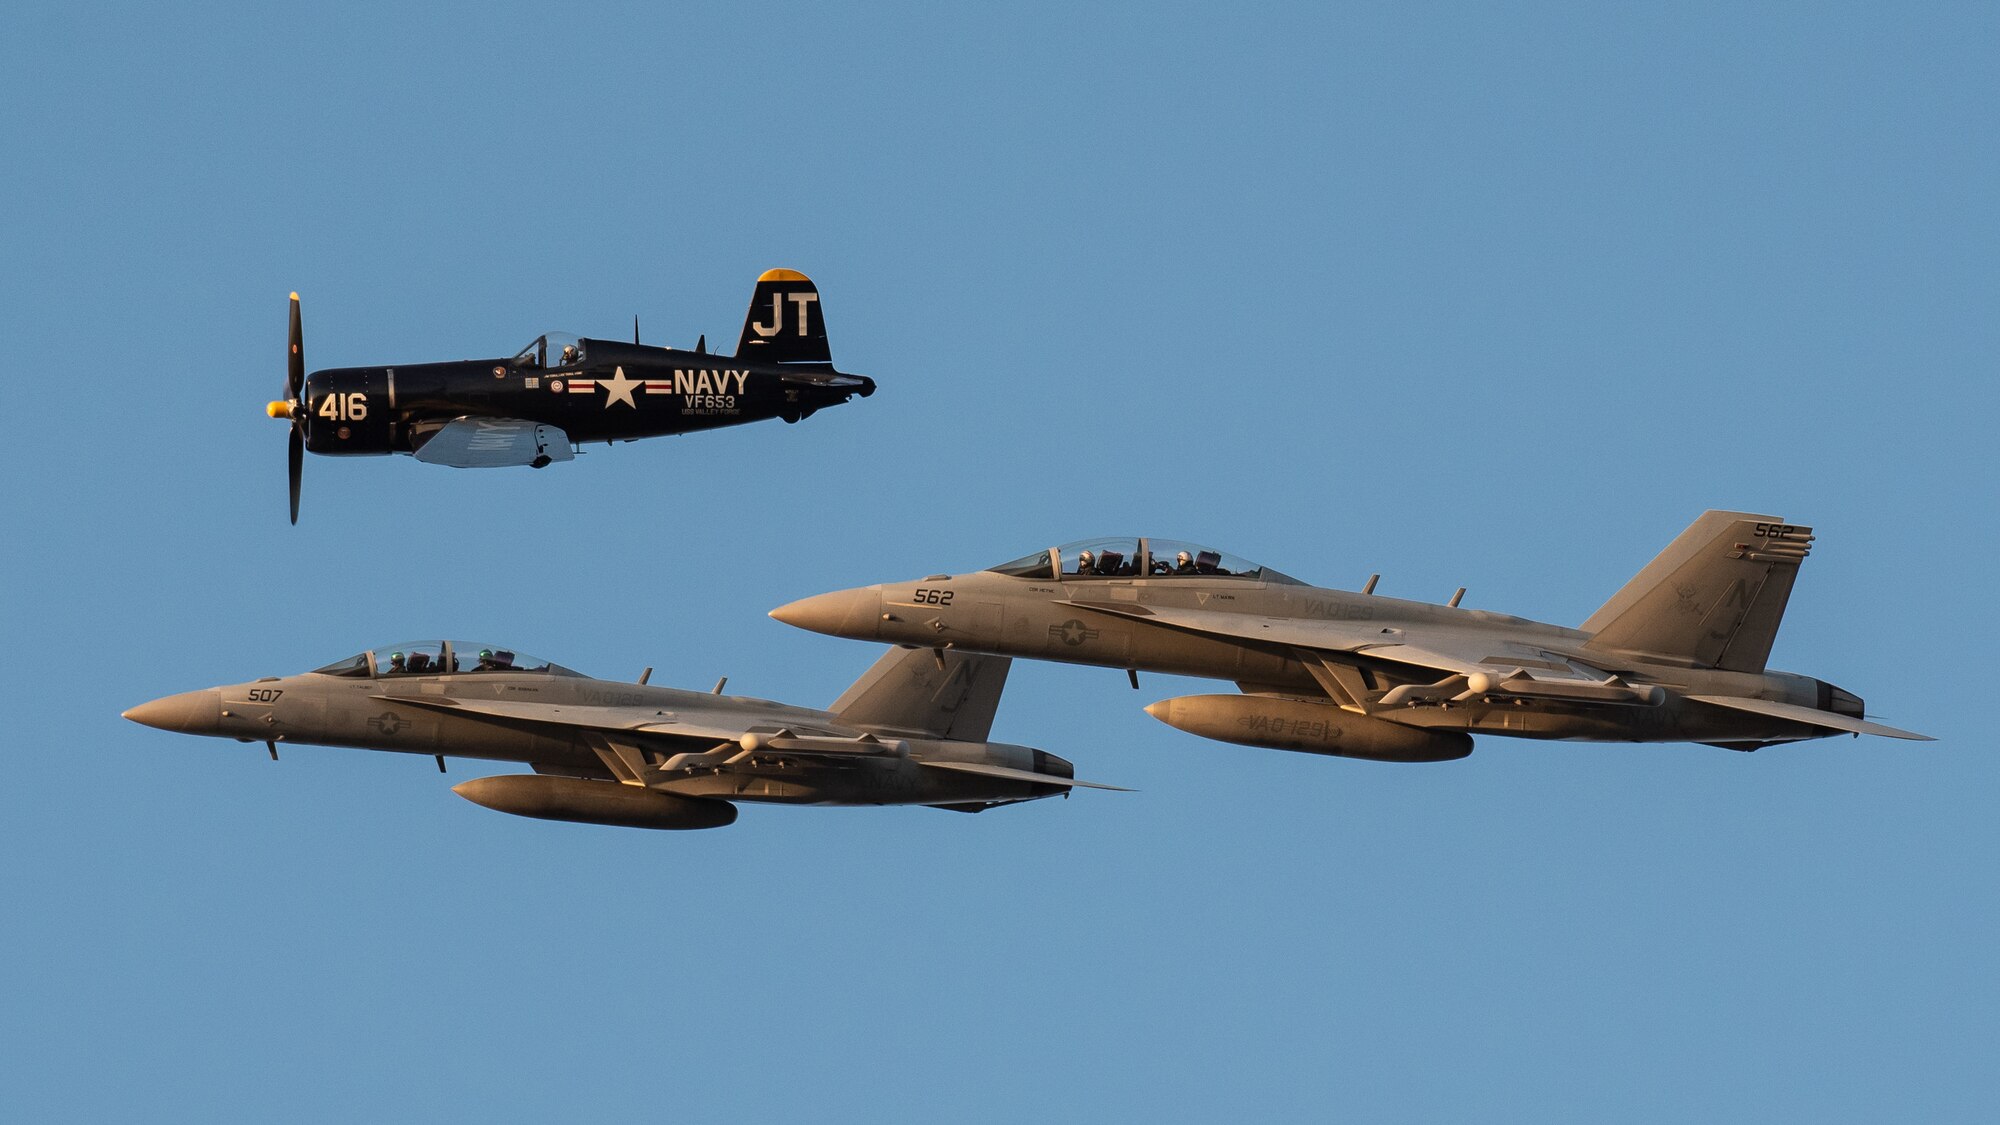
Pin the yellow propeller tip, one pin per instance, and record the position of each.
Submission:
(295, 296)
(279, 409)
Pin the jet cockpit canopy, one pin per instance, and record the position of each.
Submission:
(440, 658)
(1127, 557)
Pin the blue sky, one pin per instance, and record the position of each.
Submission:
(1472, 295)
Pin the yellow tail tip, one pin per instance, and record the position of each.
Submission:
(295, 295)
(784, 275)
(278, 409)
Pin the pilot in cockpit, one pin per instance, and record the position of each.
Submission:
(570, 356)
(1086, 563)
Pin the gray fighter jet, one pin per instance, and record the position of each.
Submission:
(912, 731)
(1677, 655)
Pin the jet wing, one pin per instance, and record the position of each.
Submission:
(490, 443)
(1825, 720)
(766, 739)
(985, 770)
(1281, 632)
(635, 719)
(1438, 650)
(1475, 663)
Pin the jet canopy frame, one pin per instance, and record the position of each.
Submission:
(1137, 557)
(441, 658)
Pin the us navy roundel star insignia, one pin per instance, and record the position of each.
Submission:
(619, 388)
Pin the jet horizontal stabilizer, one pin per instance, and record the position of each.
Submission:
(1811, 717)
(1022, 775)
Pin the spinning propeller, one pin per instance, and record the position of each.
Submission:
(293, 407)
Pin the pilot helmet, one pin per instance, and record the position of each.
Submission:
(396, 659)
(485, 654)
(1084, 558)
(1182, 559)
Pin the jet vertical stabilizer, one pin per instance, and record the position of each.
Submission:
(1712, 599)
(925, 692)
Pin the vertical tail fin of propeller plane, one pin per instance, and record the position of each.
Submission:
(1712, 599)
(939, 693)
(785, 323)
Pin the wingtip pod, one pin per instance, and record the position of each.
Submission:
(582, 801)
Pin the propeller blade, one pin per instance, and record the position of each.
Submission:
(295, 360)
(295, 463)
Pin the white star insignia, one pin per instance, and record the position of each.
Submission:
(618, 388)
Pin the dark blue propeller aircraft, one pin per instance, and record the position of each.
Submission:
(533, 407)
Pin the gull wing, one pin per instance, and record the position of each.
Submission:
(1825, 720)
(985, 770)
(472, 442)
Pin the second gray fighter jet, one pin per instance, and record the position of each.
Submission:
(912, 731)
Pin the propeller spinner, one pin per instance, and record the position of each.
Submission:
(293, 408)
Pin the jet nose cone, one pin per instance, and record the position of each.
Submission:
(190, 712)
(843, 613)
